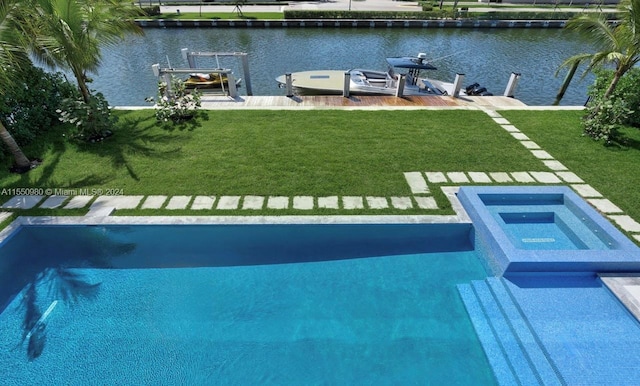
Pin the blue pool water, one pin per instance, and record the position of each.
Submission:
(339, 304)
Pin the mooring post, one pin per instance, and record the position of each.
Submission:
(401, 82)
(188, 58)
(457, 85)
(347, 81)
(511, 86)
(233, 90)
(289, 85)
(245, 69)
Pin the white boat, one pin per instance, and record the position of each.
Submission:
(371, 82)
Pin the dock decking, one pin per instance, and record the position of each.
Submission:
(215, 102)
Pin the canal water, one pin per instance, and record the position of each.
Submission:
(485, 56)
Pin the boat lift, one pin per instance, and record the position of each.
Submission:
(166, 73)
(190, 58)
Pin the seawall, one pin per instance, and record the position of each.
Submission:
(345, 23)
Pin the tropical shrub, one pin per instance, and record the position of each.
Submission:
(90, 121)
(604, 119)
(626, 92)
(176, 103)
(28, 108)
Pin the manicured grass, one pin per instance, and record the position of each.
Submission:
(221, 15)
(613, 171)
(288, 153)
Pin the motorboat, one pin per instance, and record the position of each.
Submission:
(372, 82)
(207, 81)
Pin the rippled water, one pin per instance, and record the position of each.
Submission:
(486, 56)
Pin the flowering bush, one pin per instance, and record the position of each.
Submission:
(175, 103)
(91, 121)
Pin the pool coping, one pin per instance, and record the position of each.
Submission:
(103, 218)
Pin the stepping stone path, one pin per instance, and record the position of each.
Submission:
(420, 184)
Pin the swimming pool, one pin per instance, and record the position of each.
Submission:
(240, 304)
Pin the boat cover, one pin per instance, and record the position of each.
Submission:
(410, 62)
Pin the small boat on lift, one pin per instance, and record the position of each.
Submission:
(371, 82)
(207, 81)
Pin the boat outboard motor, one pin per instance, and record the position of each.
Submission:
(469, 89)
(479, 91)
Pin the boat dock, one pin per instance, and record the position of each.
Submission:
(309, 102)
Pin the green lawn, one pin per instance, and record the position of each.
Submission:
(278, 153)
(613, 171)
(221, 15)
(323, 152)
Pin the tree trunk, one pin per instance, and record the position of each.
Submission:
(612, 86)
(607, 94)
(566, 82)
(22, 162)
(82, 85)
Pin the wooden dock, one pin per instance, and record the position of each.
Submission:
(214, 102)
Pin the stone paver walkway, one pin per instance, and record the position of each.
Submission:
(420, 185)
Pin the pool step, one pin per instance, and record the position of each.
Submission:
(514, 351)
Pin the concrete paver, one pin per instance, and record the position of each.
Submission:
(228, 202)
(178, 202)
(500, 177)
(53, 202)
(570, 177)
(479, 177)
(604, 205)
(586, 190)
(511, 128)
(402, 203)
(545, 177)
(154, 202)
(530, 145)
(626, 222)
(117, 202)
(416, 182)
(377, 202)
(78, 202)
(352, 202)
(278, 202)
(541, 154)
(253, 202)
(458, 177)
(520, 136)
(203, 202)
(522, 177)
(4, 216)
(330, 202)
(436, 177)
(303, 202)
(22, 202)
(554, 165)
(426, 202)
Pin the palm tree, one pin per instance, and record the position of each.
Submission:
(12, 55)
(69, 33)
(619, 43)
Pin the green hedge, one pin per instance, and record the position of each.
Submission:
(430, 12)
(366, 15)
(528, 15)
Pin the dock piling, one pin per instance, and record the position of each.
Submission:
(289, 85)
(457, 85)
(511, 86)
(401, 82)
(347, 81)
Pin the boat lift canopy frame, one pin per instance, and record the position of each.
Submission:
(167, 72)
(189, 57)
